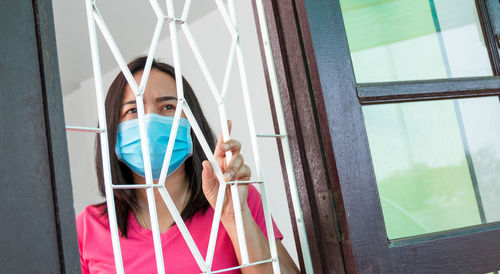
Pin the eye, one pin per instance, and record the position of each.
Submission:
(167, 107)
(131, 111)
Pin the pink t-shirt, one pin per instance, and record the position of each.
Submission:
(96, 251)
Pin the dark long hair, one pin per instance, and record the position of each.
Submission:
(125, 200)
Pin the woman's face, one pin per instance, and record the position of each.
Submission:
(160, 96)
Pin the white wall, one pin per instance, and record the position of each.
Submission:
(214, 41)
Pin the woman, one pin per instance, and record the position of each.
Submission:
(191, 182)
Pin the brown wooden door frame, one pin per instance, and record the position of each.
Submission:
(322, 105)
(306, 122)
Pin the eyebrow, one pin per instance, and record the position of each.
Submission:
(159, 99)
(165, 98)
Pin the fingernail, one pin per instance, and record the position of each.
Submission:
(227, 147)
(228, 175)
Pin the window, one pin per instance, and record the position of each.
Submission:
(411, 94)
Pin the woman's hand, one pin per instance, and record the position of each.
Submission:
(236, 170)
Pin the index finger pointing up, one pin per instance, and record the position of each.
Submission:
(219, 148)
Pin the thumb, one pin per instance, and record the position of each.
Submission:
(209, 181)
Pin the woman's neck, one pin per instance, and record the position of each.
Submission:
(177, 185)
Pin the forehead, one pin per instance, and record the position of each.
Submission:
(159, 84)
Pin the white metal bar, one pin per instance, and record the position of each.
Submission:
(242, 266)
(110, 201)
(229, 65)
(116, 52)
(180, 104)
(214, 231)
(139, 90)
(171, 142)
(85, 129)
(285, 144)
(151, 53)
(222, 184)
(185, 10)
(144, 141)
(180, 94)
(215, 223)
(244, 182)
(175, 50)
(135, 186)
(204, 145)
(182, 228)
(157, 9)
(255, 148)
(271, 135)
(240, 230)
(229, 24)
(201, 62)
(155, 228)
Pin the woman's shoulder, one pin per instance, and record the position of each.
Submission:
(94, 211)
(91, 217)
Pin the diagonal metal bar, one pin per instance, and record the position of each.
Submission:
(215, 224)
(182, 228)
(171, 142)
(201, 62)
(229, 24)
(157, 9)
(114, 49)
(222, 185)
(151, 54)
(106, 164)
(185, 10)
(229, 65)
(203, 142)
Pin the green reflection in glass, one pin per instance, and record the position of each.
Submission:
(399, 40)
(420, 154)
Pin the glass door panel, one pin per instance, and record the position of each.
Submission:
(401, 40)
(437, 163)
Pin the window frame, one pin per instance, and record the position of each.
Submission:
(469, 249)
(388, 92)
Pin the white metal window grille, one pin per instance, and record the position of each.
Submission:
(227, 12)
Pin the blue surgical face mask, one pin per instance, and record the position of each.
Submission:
(158, 127)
